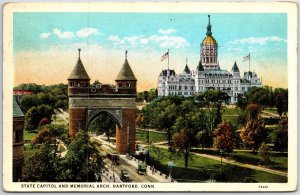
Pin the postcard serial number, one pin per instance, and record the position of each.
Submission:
(263, 187)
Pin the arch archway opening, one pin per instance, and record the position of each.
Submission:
(104, 124)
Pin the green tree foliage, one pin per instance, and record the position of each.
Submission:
(55, 96)
(264, 153)
(262, 96)
(188, 126)
(35, 114)
(211, 101)
(281, 140)
(281, 100)
(42, 166)
(103, 124)
(205, 138)
(147, 95)
(265, 97)
(254, 133)
(29, 87)
(166, 120)
(225, 138)
(83, 162)
(28, 102)
(241, 102)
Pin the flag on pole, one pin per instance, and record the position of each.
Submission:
(165, 56)
(246, 58)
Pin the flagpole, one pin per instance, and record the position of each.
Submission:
(249, 68)
(168, 58)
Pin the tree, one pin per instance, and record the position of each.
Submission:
(29, 87)
(50, 133)
(187, 128)
(83, 162)
(263, 153)
(225, 138)
(212, 101)
(281, 100)
(35, 114)
(103, 123)
(205, 138)
(28, 101)
(260, 95)
(254, 133)
(152, 94)
(42, 166)
(241, 102)
(281, 140)
(166, 120)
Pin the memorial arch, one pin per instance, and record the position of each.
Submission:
(86, 102)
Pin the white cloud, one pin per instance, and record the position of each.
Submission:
(85, 32)
(170, 41)
(63, 35)
(163, 41)
(257, 40)
(167, 31)
(144, 41)
(133, 39)
(44, 35)
(115, 39)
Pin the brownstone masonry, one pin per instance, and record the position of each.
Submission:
(87, 102)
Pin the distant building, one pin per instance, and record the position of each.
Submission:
(18, 141)
(19, 94)
(207, 75)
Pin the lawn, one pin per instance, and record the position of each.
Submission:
(278, 160)
(232, 119)
(141, 135)
(231, 111)
(202, 169)
(231, 115)
(29, 135)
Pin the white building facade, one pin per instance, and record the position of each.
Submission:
(207, 75)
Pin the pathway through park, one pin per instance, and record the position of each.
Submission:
(259, 168)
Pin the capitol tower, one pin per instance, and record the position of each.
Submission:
(207, 75)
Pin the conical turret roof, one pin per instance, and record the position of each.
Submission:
(17, 112)
(187, 69)
(126, 73)
(79, 71)
(235, 68)
(200, 67)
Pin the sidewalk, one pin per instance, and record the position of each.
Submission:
(160, 177)
(134, 163)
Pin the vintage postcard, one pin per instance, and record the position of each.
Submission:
(151, 97)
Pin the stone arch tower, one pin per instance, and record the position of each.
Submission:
(86, 102)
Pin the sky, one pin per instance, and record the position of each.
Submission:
(46, 44)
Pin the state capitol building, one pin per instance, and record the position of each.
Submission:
(207, 75)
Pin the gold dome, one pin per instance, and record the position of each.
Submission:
(209, 40)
